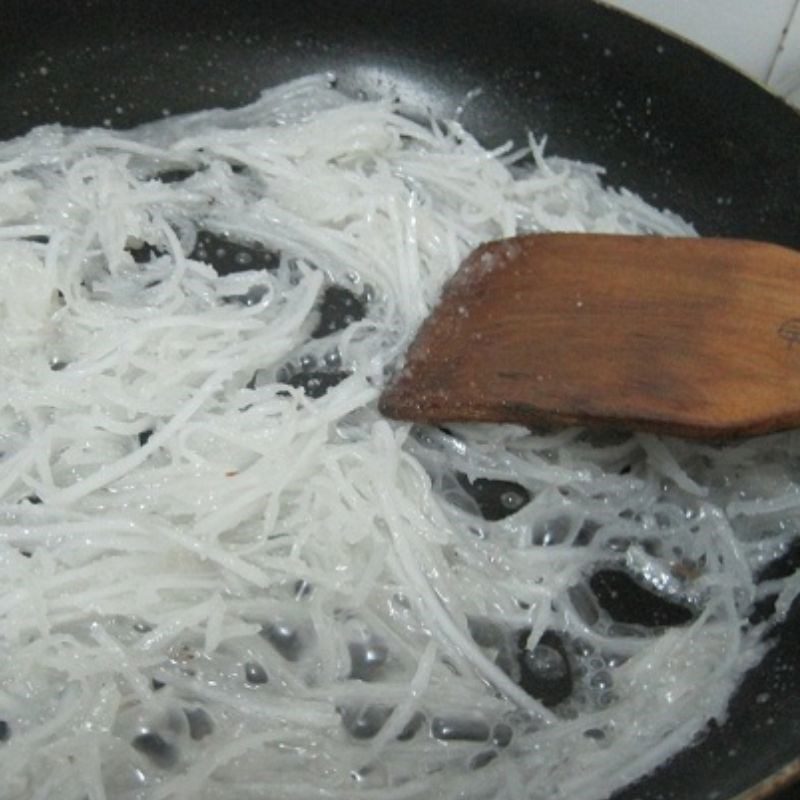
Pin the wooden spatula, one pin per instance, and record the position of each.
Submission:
(690, 337)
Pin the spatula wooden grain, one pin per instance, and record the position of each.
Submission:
(690, 337)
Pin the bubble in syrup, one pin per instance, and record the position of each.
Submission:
(364, 723)
(545, 672)
(604, 700)
(254, 673)
(601, 680)
(489, 495)
(156, 748)
(333, 358)
(584, 603)
(512, 500)
(412, 727)
(502, 734)
(546, 661)
(307, 361)
(285, 639)
(482, 759)
(200, 723)
(552, 531)
(448, 729)
(484, 632)
(367, 658)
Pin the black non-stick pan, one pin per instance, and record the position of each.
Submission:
(667, 120)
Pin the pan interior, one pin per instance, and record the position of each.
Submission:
(668, 122)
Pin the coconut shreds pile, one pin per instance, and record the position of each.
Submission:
(224, 576)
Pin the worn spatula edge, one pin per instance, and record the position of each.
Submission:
(531, 417)
(669, 325)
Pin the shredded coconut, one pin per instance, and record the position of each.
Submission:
(224, 574)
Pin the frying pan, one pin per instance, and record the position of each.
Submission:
(668, 121)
